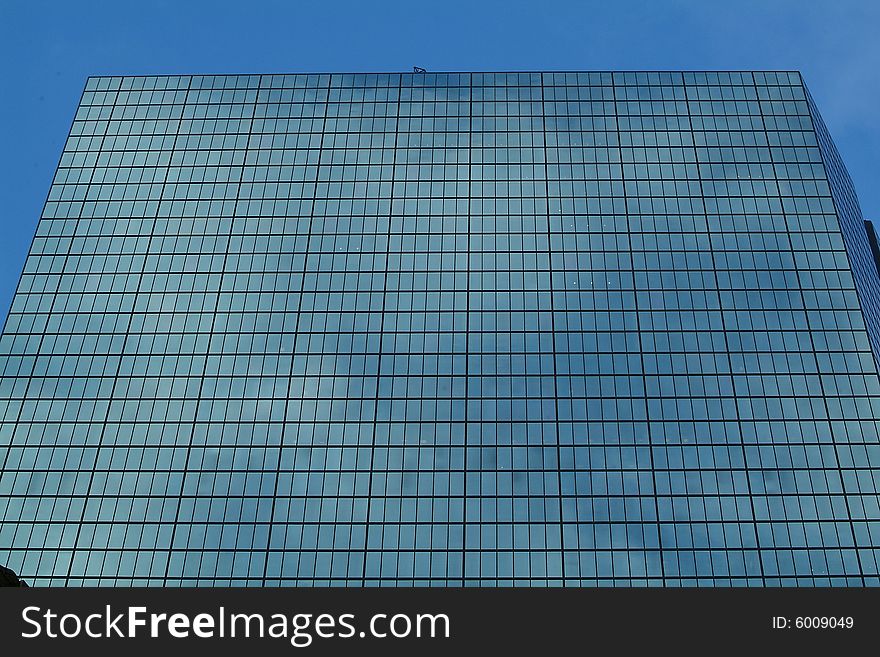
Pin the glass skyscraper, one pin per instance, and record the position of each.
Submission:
(582, 329)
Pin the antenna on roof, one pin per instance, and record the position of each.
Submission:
(419, 69)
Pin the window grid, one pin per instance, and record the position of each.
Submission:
(528, 329)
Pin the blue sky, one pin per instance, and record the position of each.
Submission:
(49, 48)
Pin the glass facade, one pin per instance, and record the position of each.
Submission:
(530, 329)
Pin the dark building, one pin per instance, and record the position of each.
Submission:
(443, 329)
